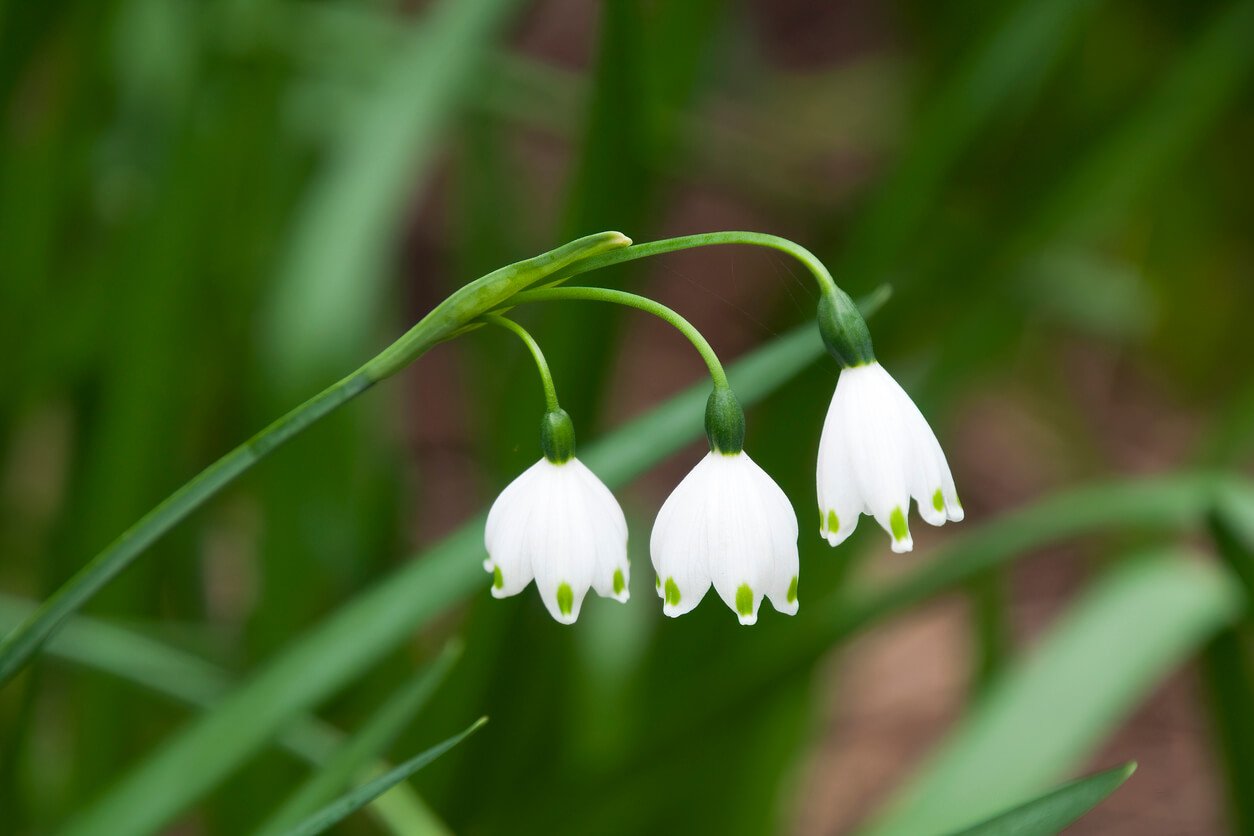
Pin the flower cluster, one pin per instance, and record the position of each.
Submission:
(727, 524)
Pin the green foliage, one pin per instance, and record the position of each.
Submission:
(210, 209)
(1054, 811)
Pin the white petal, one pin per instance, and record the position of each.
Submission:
(876, 454)
(679, 542)
(726, 524)
(562, 526)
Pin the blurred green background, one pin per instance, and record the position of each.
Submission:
(210, 210)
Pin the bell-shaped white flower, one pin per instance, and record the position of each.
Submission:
(877, 452)
(729, 524)
(558, 524)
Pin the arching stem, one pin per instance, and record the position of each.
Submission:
(546, 378)
(631, 300)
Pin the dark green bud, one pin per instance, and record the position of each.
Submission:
(844, 330)
(724, 423)
(557, 437)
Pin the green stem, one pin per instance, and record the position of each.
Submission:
(827, 285)
(546, 378)
(631, 300)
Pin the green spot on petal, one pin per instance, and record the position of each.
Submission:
(898, 522)
(744, 600)
(565, 599)
(497, 580)
(672, 592)
(618, 582)
(792, 590)
(659, 581)
(938, 501)
(833, 522)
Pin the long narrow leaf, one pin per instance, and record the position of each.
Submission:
(175, 674)
(362, 748)
(331, 280)
(348, 803)
(1055, 707)
(1054, 811)
(346, 643)
(464, 305)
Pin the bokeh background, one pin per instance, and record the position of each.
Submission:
(210, 210)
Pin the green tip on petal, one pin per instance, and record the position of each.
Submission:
(659, 581)
(618, 582)
(744, 600)
(565, 599)
(497, 580)
(833, 522)
(672, 592)
(898, 522)
(938, 500)
(792, 590)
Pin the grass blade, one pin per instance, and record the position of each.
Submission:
(1050, 813)
(464, 305)
(350, 802)
(1226, 676)
(347, 642)
(1052, 709)
(356, 755)
(183, 677)
(331, 279)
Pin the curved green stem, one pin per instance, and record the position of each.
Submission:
(546, 378)
(631, 300)
(827, 285)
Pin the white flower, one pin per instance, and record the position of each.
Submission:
(877, 451)
(729, 524)
(559, 524)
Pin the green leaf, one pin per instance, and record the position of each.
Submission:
(356, 755)
(1054, 811)
(1018, 50)
(1229, 684)
(441, 323)
(332, 276)
(351, 801)
(346, 643)
(1056, 706)
(188, 679)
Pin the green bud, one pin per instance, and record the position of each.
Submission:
(844, 330)
(724, 423)
(557, 437)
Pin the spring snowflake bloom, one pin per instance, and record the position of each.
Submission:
(559, 524)
(876, 453)
(729, 524)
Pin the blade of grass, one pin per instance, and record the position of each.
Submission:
(1187, 102)
(1225, 672)
(464, 305)
(188, 679)
(356, 755)
(330, 282)
(346, 643)
(1226, 665)
(1053, 812)
(1050, 711)
(1022, 47)
(350, 802)
(989, 604)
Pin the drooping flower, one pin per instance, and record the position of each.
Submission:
(558, 524)
(876, 453)
(727, 524)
